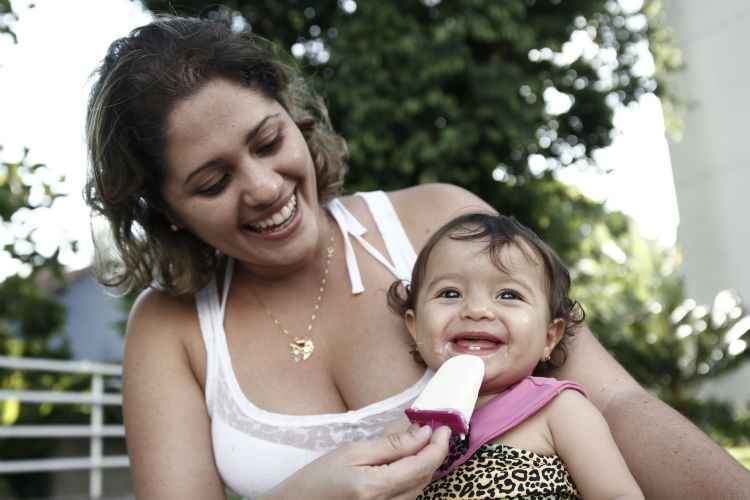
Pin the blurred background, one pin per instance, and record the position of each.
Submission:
(614, 128)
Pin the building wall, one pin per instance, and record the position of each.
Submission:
(710, 162)
(92, 320)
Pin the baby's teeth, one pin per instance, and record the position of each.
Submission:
(286, 212)
(278, 218)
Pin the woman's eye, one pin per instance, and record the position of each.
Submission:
(449, 293)
(509, 295)
(215, 187)
(270, 145)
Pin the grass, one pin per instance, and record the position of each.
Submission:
(741, 454)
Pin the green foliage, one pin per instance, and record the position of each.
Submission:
(455, 91)
(22, 190)
(634, 298)
(6, 17)
(30, 317)
(742, 455)
(461, 91)
(31, 321)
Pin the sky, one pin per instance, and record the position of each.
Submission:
(45, 78)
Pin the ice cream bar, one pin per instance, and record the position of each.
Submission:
(449, 398)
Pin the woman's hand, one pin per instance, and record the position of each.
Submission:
(393, 467)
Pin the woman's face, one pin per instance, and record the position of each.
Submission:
(240, 177)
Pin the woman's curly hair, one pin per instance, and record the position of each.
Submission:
(143, 76)
(499, 231)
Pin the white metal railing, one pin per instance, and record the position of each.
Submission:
(95, 431)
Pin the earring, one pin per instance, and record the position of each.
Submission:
(174, 228)
(546, 358)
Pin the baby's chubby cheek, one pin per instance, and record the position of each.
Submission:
(438, 351)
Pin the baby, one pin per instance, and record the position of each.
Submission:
(488, 286)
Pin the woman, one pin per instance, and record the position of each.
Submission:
(261, 355)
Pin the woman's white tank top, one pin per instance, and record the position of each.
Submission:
(254, 449)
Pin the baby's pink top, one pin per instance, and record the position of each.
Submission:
(508, 409)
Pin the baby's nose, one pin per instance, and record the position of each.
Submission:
(478, 311)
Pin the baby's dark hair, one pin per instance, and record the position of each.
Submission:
(499, 231)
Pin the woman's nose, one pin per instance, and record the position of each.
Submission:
(262, 185)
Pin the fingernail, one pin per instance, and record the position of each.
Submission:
(423, 432)
(447, 430)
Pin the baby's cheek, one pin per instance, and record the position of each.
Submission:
(439, 348)
(433, 350)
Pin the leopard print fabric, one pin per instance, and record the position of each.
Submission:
(457, 447)
(497, 471)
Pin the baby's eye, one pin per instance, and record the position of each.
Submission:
(509, 294)
(449, 293)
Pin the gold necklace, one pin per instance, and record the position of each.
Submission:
(301, 348)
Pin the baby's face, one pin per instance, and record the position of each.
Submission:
(467, 305)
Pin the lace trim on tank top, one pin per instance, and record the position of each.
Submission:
(315, 437)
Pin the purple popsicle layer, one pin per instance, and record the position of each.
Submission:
(450, 396)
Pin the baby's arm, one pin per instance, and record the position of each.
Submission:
(582, 439)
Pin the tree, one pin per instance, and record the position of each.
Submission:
(6, 12)
(634, 298)
(31, 319)
(497, 97)
(465, 91)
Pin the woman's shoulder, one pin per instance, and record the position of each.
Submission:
(450, 196)
(157, 316)
(424, 208)
(164, 329)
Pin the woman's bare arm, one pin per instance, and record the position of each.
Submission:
(166, 421)
(583, 440)
(669, 457)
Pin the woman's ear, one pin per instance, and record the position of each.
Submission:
(555, 332)
(410, 318)
(174, 222)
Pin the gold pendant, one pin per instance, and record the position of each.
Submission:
(301, 349)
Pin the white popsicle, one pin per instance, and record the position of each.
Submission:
(449, 398)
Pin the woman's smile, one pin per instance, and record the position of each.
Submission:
(278, 224)
(278, 218)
